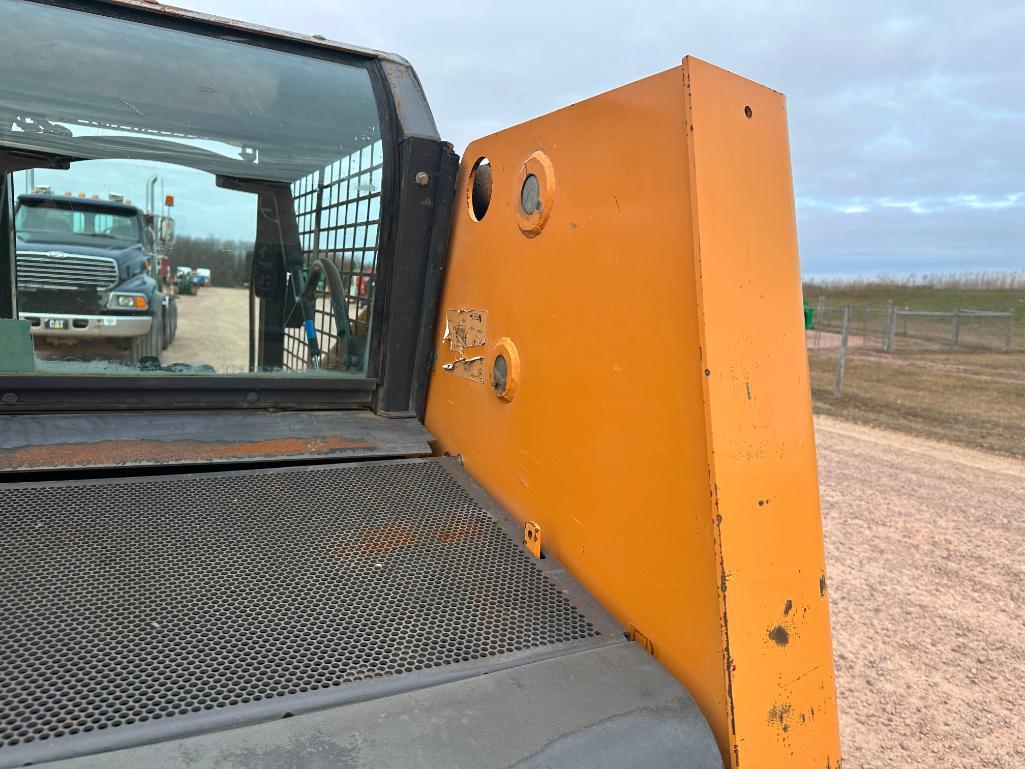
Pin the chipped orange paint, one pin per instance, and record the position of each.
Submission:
(663, 391)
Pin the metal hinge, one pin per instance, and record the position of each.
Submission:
(639, 637)
(532, 538)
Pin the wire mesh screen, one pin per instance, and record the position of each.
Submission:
(338, 210)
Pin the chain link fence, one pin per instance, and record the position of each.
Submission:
(835, 329)
(889, 328)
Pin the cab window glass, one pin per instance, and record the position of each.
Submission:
(212, 207)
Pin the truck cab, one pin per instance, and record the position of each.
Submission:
(84, 273)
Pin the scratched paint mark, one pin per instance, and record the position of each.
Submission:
(822, 585)
(779, 716)
(779, 635)
(132, 107)
(787, 607)
(747, 386)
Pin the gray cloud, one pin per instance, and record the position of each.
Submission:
(907, 119)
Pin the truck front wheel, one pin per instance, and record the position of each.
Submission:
(170, 322)
(152, 344)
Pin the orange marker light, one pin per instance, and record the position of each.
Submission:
(169, 201)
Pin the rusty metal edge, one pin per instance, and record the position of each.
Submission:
(80, 442)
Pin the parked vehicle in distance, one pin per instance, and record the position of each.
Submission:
(186, 280)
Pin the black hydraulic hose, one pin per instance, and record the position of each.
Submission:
(339, 304)
(305, 297)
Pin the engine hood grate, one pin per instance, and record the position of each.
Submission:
(143, 609)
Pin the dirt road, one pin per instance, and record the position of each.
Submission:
(925, 551)
(213, 328)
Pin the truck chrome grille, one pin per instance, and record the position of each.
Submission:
(55, 269)
(138, 609)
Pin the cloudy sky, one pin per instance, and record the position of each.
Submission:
(907, 119)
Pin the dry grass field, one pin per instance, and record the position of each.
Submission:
(973, 395)
(976, 400)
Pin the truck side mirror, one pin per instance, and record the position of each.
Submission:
(166, 231)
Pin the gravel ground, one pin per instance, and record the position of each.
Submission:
(925, 547)
(213, 328)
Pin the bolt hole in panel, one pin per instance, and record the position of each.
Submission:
(481, 184)
(152, 608)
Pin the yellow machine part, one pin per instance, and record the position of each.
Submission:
(650, 409)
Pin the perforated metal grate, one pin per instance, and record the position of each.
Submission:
(130, 602)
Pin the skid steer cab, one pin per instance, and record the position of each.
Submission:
(317, 474)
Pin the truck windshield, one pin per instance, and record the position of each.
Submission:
(40, 220)
(187, 203)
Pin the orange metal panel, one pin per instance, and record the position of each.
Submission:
(758, 414)
(613, 439)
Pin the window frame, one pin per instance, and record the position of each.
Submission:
(398, 363)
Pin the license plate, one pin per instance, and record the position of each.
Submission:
(56, 323)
